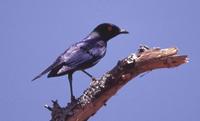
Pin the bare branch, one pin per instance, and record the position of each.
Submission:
(101, 90)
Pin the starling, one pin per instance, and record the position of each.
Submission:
(83, 54)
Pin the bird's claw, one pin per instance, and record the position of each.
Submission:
(73, 99)
(94, 79)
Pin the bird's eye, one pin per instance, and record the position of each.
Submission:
(109, 28)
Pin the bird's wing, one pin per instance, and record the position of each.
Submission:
(79, 56)
(60, 61)
(82, 55)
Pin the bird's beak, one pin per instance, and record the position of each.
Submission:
(123, 31)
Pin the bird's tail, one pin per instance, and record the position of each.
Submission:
(44, 72)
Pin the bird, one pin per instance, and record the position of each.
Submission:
(83, 54)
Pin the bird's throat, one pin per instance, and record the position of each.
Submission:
(93, 35)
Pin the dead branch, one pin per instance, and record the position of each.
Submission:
(101, 90)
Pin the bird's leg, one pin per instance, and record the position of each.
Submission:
(71, 88)
(88, 74)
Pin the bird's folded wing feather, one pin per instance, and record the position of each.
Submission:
(82, 54)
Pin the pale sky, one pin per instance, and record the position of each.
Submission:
(34, 32)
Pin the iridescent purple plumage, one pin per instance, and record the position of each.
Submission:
(84, 54)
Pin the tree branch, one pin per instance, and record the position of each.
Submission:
(101, 90)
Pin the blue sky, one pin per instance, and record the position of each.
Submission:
(34, 32)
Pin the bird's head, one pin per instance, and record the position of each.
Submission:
(108, 31)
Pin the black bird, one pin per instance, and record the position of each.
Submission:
(83, 54)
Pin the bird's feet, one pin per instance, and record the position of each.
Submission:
(94, 79)
(73, 99)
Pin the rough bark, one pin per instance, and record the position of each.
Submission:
(101, 90)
